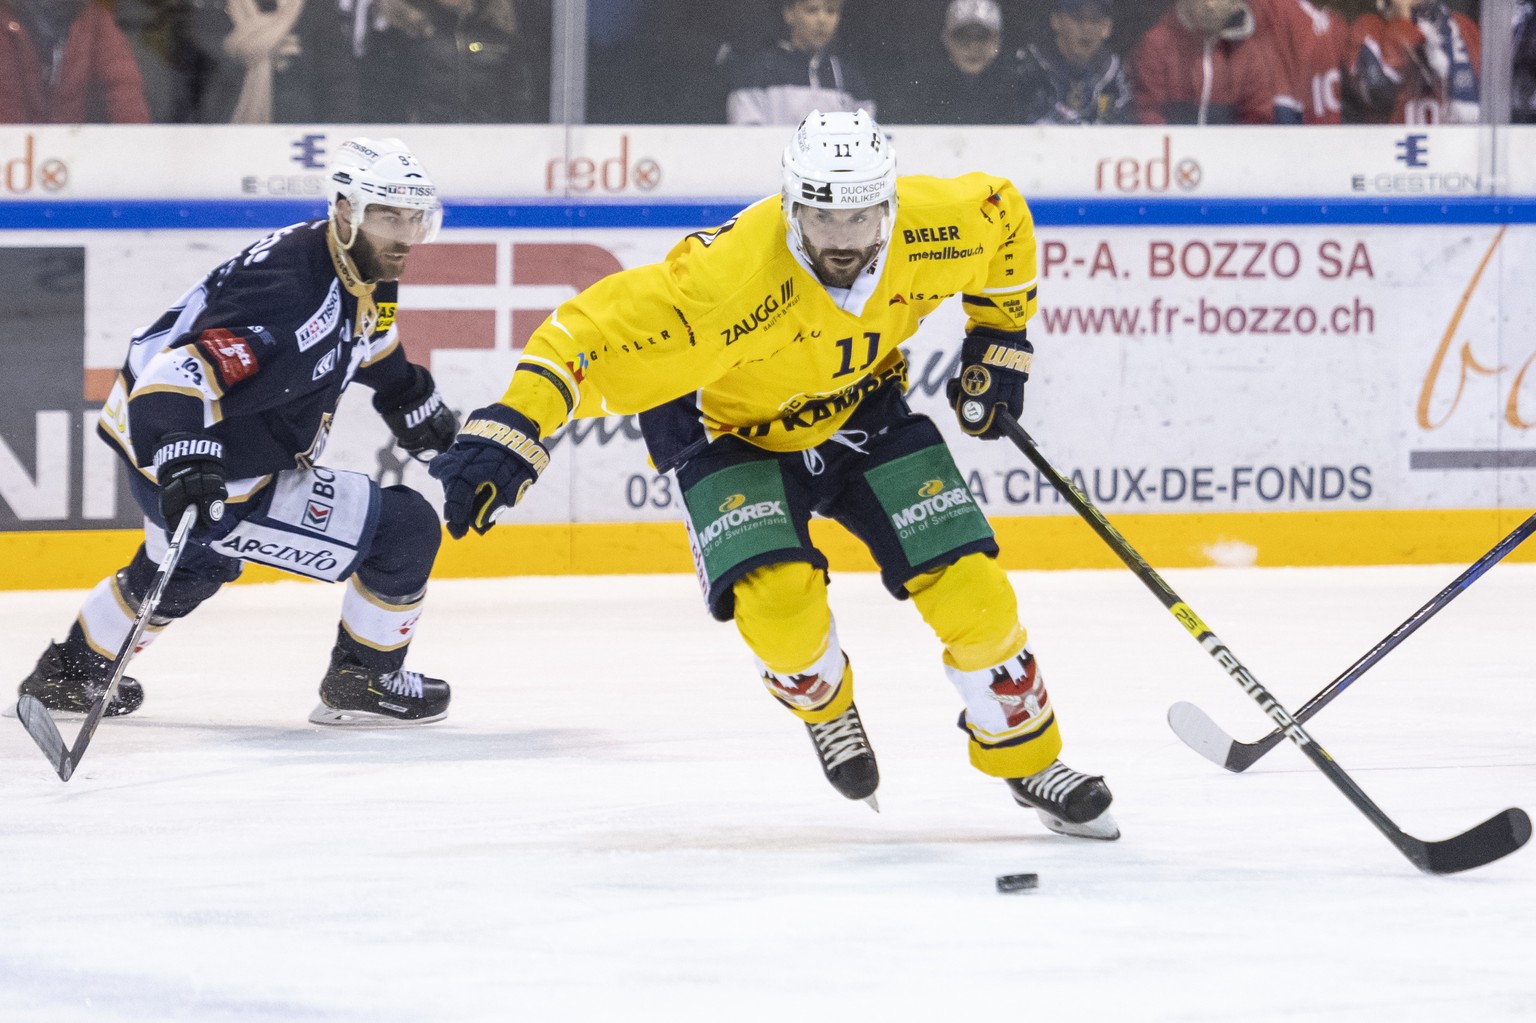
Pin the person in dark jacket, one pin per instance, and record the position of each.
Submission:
(220, 413)
(968, 84)
(785, 82)
(66, 62)
(1074, 77)
(474, 68)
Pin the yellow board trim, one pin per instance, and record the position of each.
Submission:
(78, 559)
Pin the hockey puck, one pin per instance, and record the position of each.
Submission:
(1018, 882)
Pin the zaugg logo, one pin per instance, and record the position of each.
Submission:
(27, 172)
(764, 313)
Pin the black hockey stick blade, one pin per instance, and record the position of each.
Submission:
(1496, 837)
(35, 717)
(39, 724)
(1196, 730)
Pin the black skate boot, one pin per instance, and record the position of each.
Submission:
(354, 694)
(68, 685)
(846, 757)
(1068, 802)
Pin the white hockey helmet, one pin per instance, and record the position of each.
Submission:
(382, 172)
(839, 160)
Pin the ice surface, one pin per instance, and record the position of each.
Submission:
(617, 823)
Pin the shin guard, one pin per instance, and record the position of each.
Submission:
(377, 629)
(1008, 717)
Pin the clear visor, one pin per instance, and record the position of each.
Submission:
(845, 229)
(402, 225)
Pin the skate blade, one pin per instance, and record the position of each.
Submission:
(1102, 827)
(324, 715)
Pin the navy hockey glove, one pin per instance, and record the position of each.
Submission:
(993, 367)
(417, 416)
(494, 461)
(190, 470)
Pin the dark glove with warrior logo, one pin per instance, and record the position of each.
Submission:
(993, 367)
(494, 461)
(417, 416)
(190, 470)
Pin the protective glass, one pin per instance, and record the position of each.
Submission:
(401, 224)
(847, 229)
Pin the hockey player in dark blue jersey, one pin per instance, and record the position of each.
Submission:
(224, 403)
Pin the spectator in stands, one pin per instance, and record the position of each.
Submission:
(150, 26)
(1312, 44)
(1523, 84)
(965, 83)
(1417, 62)
(463, 62)
(1200, 65)
(658, 61)
(246, 64)
(784, 83)
(1073, 77)
(66, 62)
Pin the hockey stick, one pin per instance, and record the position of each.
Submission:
(35, 717)
(1197, 731)
(1498, 836)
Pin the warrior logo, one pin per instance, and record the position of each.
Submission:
(975, 381)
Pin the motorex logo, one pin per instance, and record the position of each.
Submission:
(932, 506)
(1413, 150)
(739, 516)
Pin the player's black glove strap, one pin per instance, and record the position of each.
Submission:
(417, 415)
(190, 470)
(494, 461)
(993, 367)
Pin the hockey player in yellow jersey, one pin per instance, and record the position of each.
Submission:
(762, 358)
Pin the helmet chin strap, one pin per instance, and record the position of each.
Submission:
(342, 246)
(347, 269)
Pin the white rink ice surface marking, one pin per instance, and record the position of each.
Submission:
(617, 823)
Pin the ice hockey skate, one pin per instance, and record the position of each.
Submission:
(846, 757)
(1070, 803)
(353, 694)
(68, 689)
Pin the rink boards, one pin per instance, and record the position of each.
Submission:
(1235, 380)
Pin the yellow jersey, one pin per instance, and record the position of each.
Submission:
(735, 318)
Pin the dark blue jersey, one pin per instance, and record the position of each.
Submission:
(256, 355)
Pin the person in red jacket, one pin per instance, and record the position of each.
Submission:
(66, 62)
(1200, 65)
(1418, 62)
(1314, 44)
